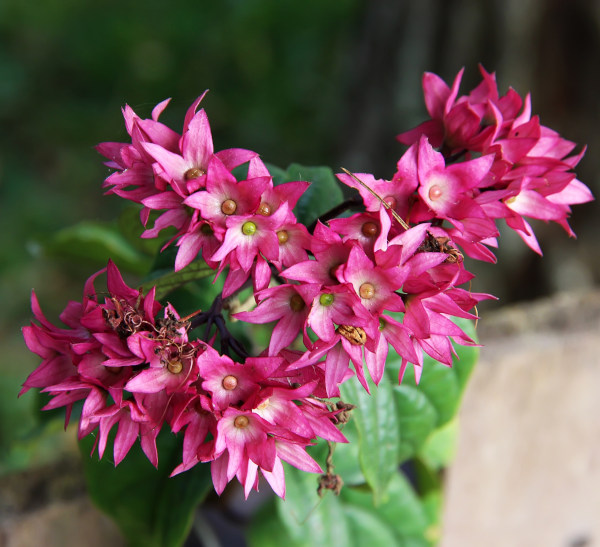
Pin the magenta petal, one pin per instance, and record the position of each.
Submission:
(233, 157)
(191, 111)
(173, 164)
(218, 471)
(117, 286)
(197, 141)
(436, 93)
(126, 435)
(376, 360)
(151, 380)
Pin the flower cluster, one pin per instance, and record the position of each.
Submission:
(140, 373)
(522, 169)
(240, 224)
(336, 295)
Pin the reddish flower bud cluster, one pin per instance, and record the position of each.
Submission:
(391, 274)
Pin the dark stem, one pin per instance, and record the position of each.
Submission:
(214, 316)
(454, 157)
(350, 203)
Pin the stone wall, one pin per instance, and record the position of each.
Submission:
(527, 471)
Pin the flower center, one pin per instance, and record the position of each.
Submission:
(511, 200)
(296, 303)
(175, 366)
(264, 209)
(193, 173)
(366, 291)
(435, 192)
(241, 422)
(230, 382)
(282, 236)
(326, 299)
(249, 228)
(369, 229)
(228, 207)
(391, 201)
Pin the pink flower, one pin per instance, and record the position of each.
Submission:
(289, 305)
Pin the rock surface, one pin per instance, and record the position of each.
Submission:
(527, 470)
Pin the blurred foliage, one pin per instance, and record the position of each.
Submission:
(286, 81)
(275, 70)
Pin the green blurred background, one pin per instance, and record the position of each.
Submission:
(313, 82)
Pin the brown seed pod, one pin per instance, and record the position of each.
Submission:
(355, 335)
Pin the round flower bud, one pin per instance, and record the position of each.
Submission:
(241, 422)
(282, 236)
(435, 192)
(228, 207)
(249, 228)
(230, 382)
(264, 209)
(369, 229)
(366, 291)
(391, 201)
(326, 299)
(175, 366)
(193, 173)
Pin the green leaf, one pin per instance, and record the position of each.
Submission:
(97, 242)
(323, 194)
(279, 175)
(151, 508)
(367, 527)
(346, 459)
(352, 520)
(378, 435)
(308, 519)
(402, 512)
(416, 417)
(434, 402)
(266, 530)
(169, 281)
(443, 386)
(131, 227)
(440, 448)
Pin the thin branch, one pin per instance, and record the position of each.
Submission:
(383, 202)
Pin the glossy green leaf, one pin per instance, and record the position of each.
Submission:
(279, 175)
(308, 519)
(151, 508)
(378, 434)
(440, 447)
(131, 228)
(266, 529)
(323, 193)
(346, 460)
(416, 417)
(97, 242)
(367, 527)
(442, 386)
(402, 511)
(402, 519)
(169, 281)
